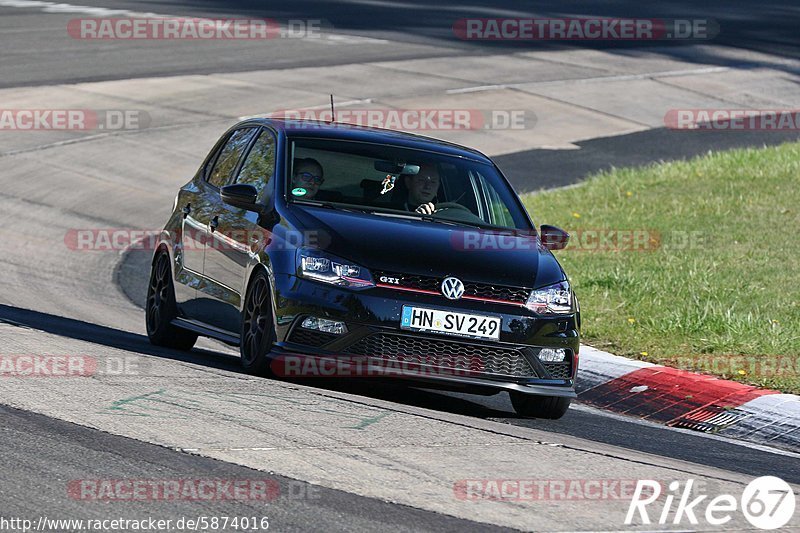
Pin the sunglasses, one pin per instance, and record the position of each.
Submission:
(308, 177)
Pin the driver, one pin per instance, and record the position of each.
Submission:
(422, 188)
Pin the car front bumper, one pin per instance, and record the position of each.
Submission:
(374, 335)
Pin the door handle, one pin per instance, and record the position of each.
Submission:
(214, 224)
(186, 210)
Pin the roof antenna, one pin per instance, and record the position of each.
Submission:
(333, 112)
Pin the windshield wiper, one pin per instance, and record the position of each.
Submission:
(349, 208)
(451, 222)
(431, 218)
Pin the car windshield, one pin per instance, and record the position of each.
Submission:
(392, 180)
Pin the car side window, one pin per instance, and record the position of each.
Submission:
(229, 156)
(498, 212)
(259, 166)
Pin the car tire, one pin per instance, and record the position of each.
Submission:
(258, 328)
(531, 406)
(161, 308)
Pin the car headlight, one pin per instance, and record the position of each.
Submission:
(326, 268)
(554, 299)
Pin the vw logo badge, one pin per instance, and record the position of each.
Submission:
(452, 288)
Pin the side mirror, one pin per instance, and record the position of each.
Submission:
(553, 238)
(241, 195)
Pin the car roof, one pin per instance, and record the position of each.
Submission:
(353, 132)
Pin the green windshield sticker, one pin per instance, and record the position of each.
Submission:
(299, 191)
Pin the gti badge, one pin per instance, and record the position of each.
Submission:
(387, 279)
(452, 288)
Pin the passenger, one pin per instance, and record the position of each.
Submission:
(308, 175)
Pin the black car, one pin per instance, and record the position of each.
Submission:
(376, 251)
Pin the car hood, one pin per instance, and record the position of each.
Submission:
(417, 247)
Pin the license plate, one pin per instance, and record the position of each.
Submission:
(450, 323)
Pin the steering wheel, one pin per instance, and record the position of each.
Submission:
(450, 205)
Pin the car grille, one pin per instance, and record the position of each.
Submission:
(559, 370)
(494, 292)
(310, 337)
(512, 295)
(453, 355)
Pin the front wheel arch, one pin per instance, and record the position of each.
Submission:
(161, 307)
(255, 270)
(257, 360)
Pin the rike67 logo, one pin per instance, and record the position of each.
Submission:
(767, 503)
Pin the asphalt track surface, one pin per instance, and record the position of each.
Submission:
(36, 51)
(543, 169)
(40, 451)
(74, 452)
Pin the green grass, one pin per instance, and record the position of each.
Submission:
(721, 278)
